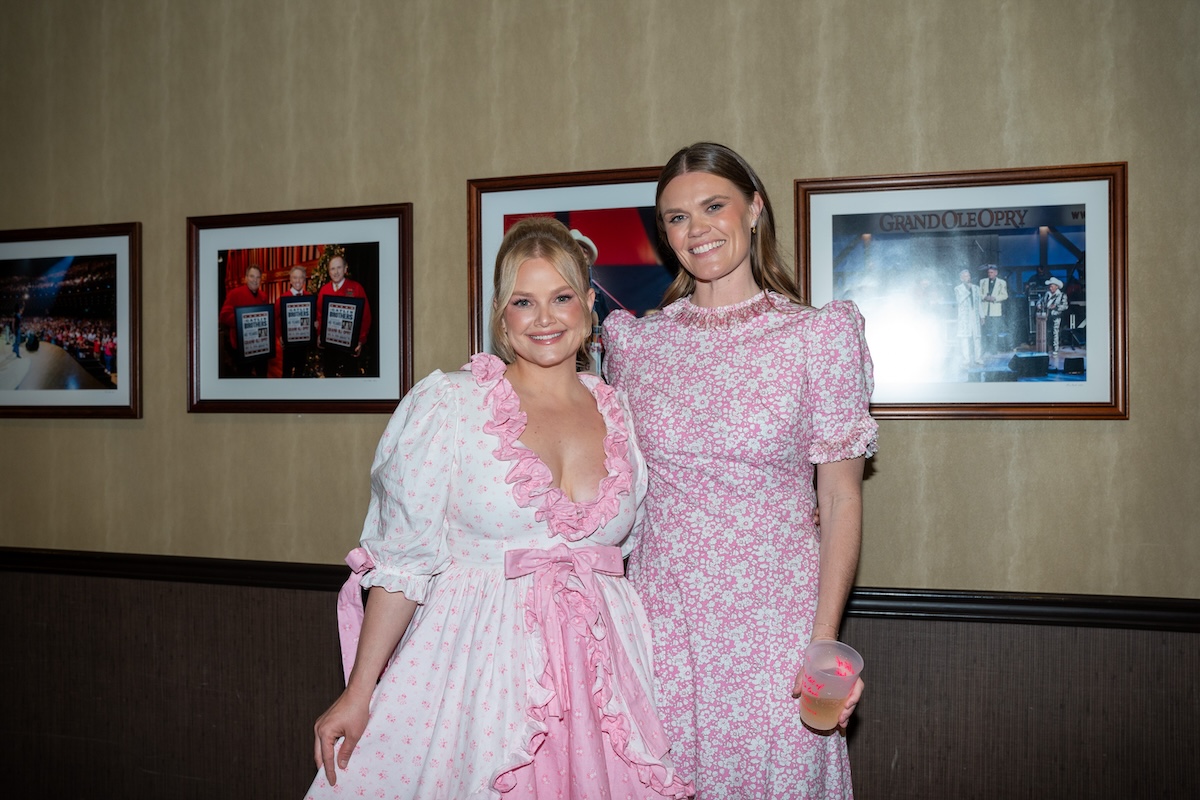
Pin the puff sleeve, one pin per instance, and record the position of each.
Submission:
(405, 529)
(641, 474)
(616, 325)
(839, 384)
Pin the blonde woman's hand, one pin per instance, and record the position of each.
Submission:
(346, 719)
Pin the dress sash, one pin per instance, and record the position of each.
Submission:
(565, 599)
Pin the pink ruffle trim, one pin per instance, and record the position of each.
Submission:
(564, 597)
(531, 478)
(861, 440)
(687, 313)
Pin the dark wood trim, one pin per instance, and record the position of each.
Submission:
(179, 569)
(1072, 610)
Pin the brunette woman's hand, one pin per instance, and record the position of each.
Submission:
(851, 702)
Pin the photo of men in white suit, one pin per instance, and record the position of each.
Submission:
(967, 301)
(993, 291)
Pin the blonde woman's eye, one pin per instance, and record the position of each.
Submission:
(520, 303)
(565, 298)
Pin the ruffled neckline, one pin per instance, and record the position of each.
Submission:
(528, 474)
(688, 313)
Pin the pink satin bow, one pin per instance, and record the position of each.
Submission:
(350, 607)
(559, 604)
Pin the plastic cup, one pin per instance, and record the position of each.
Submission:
(830, 672)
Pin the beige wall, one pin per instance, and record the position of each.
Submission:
(159, 110)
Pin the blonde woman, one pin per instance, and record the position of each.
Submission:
(503, 653)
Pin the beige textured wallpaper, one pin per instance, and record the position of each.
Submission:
(156, 110)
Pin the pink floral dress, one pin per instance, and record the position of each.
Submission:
(733, 406)
(526, 670)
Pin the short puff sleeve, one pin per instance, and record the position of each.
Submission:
(617, 325)
(641, 474)
(405, 529)
(839, 385)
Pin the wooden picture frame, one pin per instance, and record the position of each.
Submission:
(613, 208)
(374, 243)
(898, 244)
(70, 322)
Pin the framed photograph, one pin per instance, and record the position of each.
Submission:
(612, 209)
(70, 322)
(987, 294)
(300, 311)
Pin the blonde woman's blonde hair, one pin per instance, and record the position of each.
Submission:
(537, 237)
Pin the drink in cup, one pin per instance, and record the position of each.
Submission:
(830, 671)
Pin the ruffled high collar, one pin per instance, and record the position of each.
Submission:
(531, 478)
(688, 313)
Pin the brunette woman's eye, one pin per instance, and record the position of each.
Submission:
(672, 219)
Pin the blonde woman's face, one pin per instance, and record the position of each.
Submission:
(545, 321)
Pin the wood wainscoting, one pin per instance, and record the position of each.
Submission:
(138, 676)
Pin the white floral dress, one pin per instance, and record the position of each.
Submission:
(526, 670)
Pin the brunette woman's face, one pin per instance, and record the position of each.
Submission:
(708, 223)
